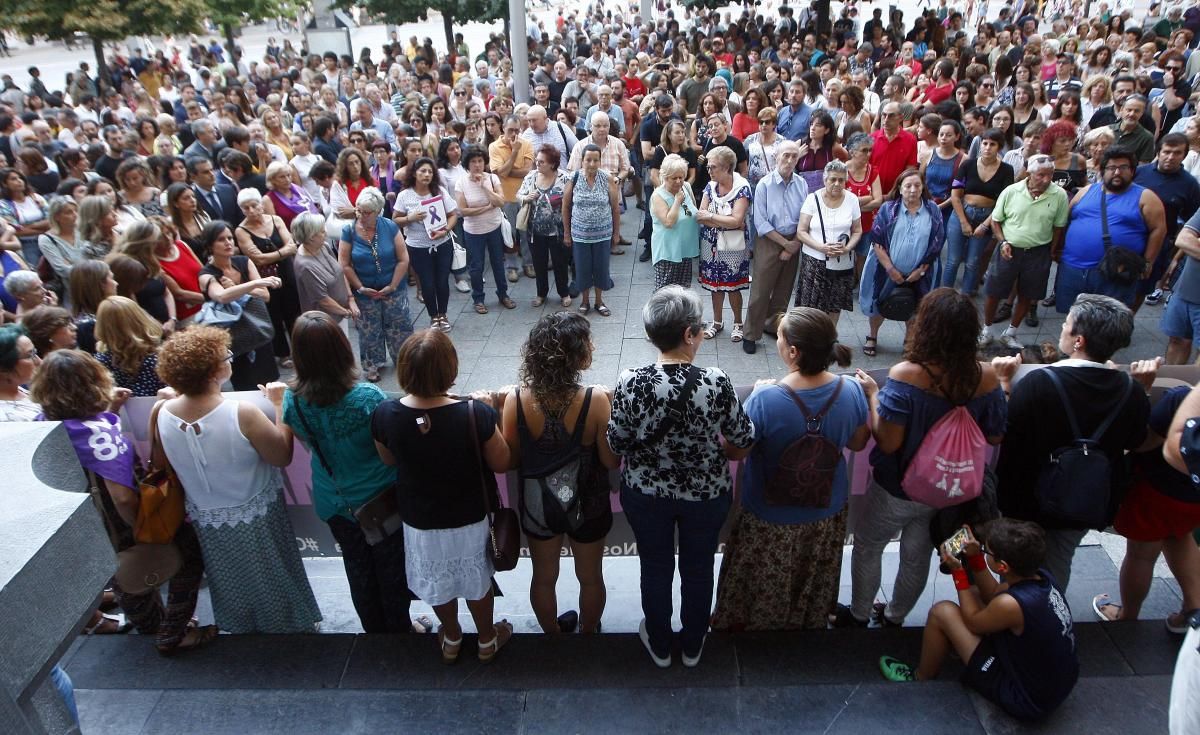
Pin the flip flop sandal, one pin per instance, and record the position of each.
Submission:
(450, 649)
(488, 651)
(870, 346)
(422, 625)
(1099, 603)
(584, 309)
(618, 251)
(123, 626)
(603, 310)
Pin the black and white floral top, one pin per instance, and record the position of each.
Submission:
(688, 463)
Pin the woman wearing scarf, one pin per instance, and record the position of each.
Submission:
(284, 198)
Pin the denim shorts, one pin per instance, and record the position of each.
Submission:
(1180, 319)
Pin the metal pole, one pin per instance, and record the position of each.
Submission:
(520, 50)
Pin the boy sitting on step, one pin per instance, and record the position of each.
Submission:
(1015, 634)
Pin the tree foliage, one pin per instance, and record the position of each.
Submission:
(231, 14)
(397, 12)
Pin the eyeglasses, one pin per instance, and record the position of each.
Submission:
(460, 94)
(987, 84)
(1174, 68)
(228, 355)
(1118, 168)
(33, 355)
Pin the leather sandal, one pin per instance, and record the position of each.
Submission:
(195, 637)
(503, 634)
(450, 648)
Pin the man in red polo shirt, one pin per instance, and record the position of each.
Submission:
(893, 149)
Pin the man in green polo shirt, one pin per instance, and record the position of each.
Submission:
(1028, 220)
(1129, 132)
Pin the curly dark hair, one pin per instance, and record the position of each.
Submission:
(944, 335)
(554, 357)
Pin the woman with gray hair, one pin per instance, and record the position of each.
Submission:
(677, 426)
(27, 290)
(725, 253)
(862, 180)
(374, 258)
(60, 245)
(830, 227)
(674, 241)
(265, 240)
(320, 282)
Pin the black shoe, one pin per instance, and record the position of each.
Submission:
(1031, 319)
(1004, 311)
(843, 618)
(568, 622)
(645, 256)
(880, 619)
(749, 346)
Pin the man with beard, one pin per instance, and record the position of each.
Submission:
(1131, 214)
(1123, 86)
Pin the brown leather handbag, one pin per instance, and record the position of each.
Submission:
(141, 568)
(160, 508)
(504, 528)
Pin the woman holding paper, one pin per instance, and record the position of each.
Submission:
(427, 214)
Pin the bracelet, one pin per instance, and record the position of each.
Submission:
(961, 582)
(977, 563)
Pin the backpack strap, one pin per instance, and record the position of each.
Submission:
(813, 421)
(581, 420)
(1076, 434)
(1104, 425)
(1108, 421)
(675, 410)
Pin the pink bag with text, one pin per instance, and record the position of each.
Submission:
(948, 466)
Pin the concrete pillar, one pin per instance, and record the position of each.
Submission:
(323, 14)
(519, 41)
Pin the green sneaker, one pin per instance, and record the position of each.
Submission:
(894, 670)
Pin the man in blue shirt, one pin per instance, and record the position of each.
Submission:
(794, 117)
(1180, 195)
(367, 121)
(777, 202)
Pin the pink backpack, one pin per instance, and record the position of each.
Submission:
(948, 466)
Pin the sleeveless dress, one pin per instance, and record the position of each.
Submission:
(862, 188)
(284, 305)
(235, 502)
(725, 270)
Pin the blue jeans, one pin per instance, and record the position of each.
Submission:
(1073, 281)
(654, 521)
(432, 266)
(965, 249)
(66, 690)
(490, 245)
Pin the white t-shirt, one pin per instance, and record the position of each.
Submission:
(838, 222)
(473, 196)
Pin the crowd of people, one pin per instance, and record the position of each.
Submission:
(191, 223)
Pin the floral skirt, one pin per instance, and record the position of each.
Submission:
(722, 270)
(822, 288)
(444, 564)
(779, 577)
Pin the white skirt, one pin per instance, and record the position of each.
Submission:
(448, 563)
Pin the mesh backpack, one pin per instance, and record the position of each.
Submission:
(948, 467)
(804, 476)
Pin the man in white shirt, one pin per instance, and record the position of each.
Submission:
(541, 131)
(600, 63)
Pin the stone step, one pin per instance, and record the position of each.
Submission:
(820, 681)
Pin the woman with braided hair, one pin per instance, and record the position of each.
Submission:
(555, 428)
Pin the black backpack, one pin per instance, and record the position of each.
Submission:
(804, 476)
(1074, 488)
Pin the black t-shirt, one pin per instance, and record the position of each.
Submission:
(968, 174)
(1152, 467)
(153, 299)
(438, 471)
(660, 155)
(240, 263)
(702, 178)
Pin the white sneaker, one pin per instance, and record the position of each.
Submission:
(986, 337)
(660, 662)
(1009, 339)
(463, 286)
(692, 661)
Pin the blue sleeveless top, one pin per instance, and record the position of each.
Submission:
(1084, 241)
(1043, 658)
(9, 264)
(939, 175)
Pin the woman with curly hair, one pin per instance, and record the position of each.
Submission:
(227, 454)
(127, 341)
(940, 371)
(555, 429)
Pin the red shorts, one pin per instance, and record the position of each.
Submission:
(1148, 515)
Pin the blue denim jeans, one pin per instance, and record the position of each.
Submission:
(491, 246)
(654, 522)
(964, 249)
(1073, 281)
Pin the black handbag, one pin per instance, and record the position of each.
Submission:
(379, 517)
(900, 304)
(1119, 264)
(504, 528)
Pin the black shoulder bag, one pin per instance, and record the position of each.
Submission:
(379, 517)
(1119, 264)
(1074, 488)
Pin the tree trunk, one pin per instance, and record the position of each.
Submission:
(448, 27)
(101, 67)
(229, 43)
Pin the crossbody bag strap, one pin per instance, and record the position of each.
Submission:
(821, 217)
(156, 447)
(487, 502)
(675, 410)
(312, 439)
(581, 420)
(1105, 237)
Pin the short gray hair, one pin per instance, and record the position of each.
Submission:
(672, 164)
(370, 199)
(201, 125)
(249, 194)
(19, 283)
(668, 312)
(859, 140)
(833, 167)
(1105, 324)
(305, 225)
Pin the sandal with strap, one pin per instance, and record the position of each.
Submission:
(713, 329)
(869, 346)
(195, 637)
(1102, 602)
(450, 649)
(480, 309)
(736, 335)
(603, 310)
(488, 651)
(109, 625)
